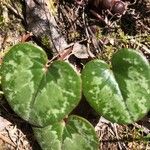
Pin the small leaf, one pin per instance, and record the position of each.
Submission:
(122, 94)
(39, 94)
(76, 134)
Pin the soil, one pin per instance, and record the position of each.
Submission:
(102, 38)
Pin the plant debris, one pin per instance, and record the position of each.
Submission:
(91, 34)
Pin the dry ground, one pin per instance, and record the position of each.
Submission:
(131, 30)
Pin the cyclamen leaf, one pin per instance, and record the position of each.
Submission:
(122, 94)
(41, 95)
(76, 134)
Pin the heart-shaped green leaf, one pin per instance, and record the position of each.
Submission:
(39, 94)
(76, 134)
(122, 94)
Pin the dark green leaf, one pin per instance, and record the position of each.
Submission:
(122, 94)
(76, 134)
(37, 93)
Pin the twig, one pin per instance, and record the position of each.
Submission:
(145, 130)
(15, 11)
(140, 45)
(88, 35)
(7, 140)
(116, 133)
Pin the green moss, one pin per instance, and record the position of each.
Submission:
(98, 33)
(1, 20)
(46, 41)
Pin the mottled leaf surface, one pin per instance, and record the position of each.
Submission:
(76, 134)
(36, 93)
(120, 94)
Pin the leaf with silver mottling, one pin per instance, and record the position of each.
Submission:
(122, 94)
(39, 94)
(74, 134)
